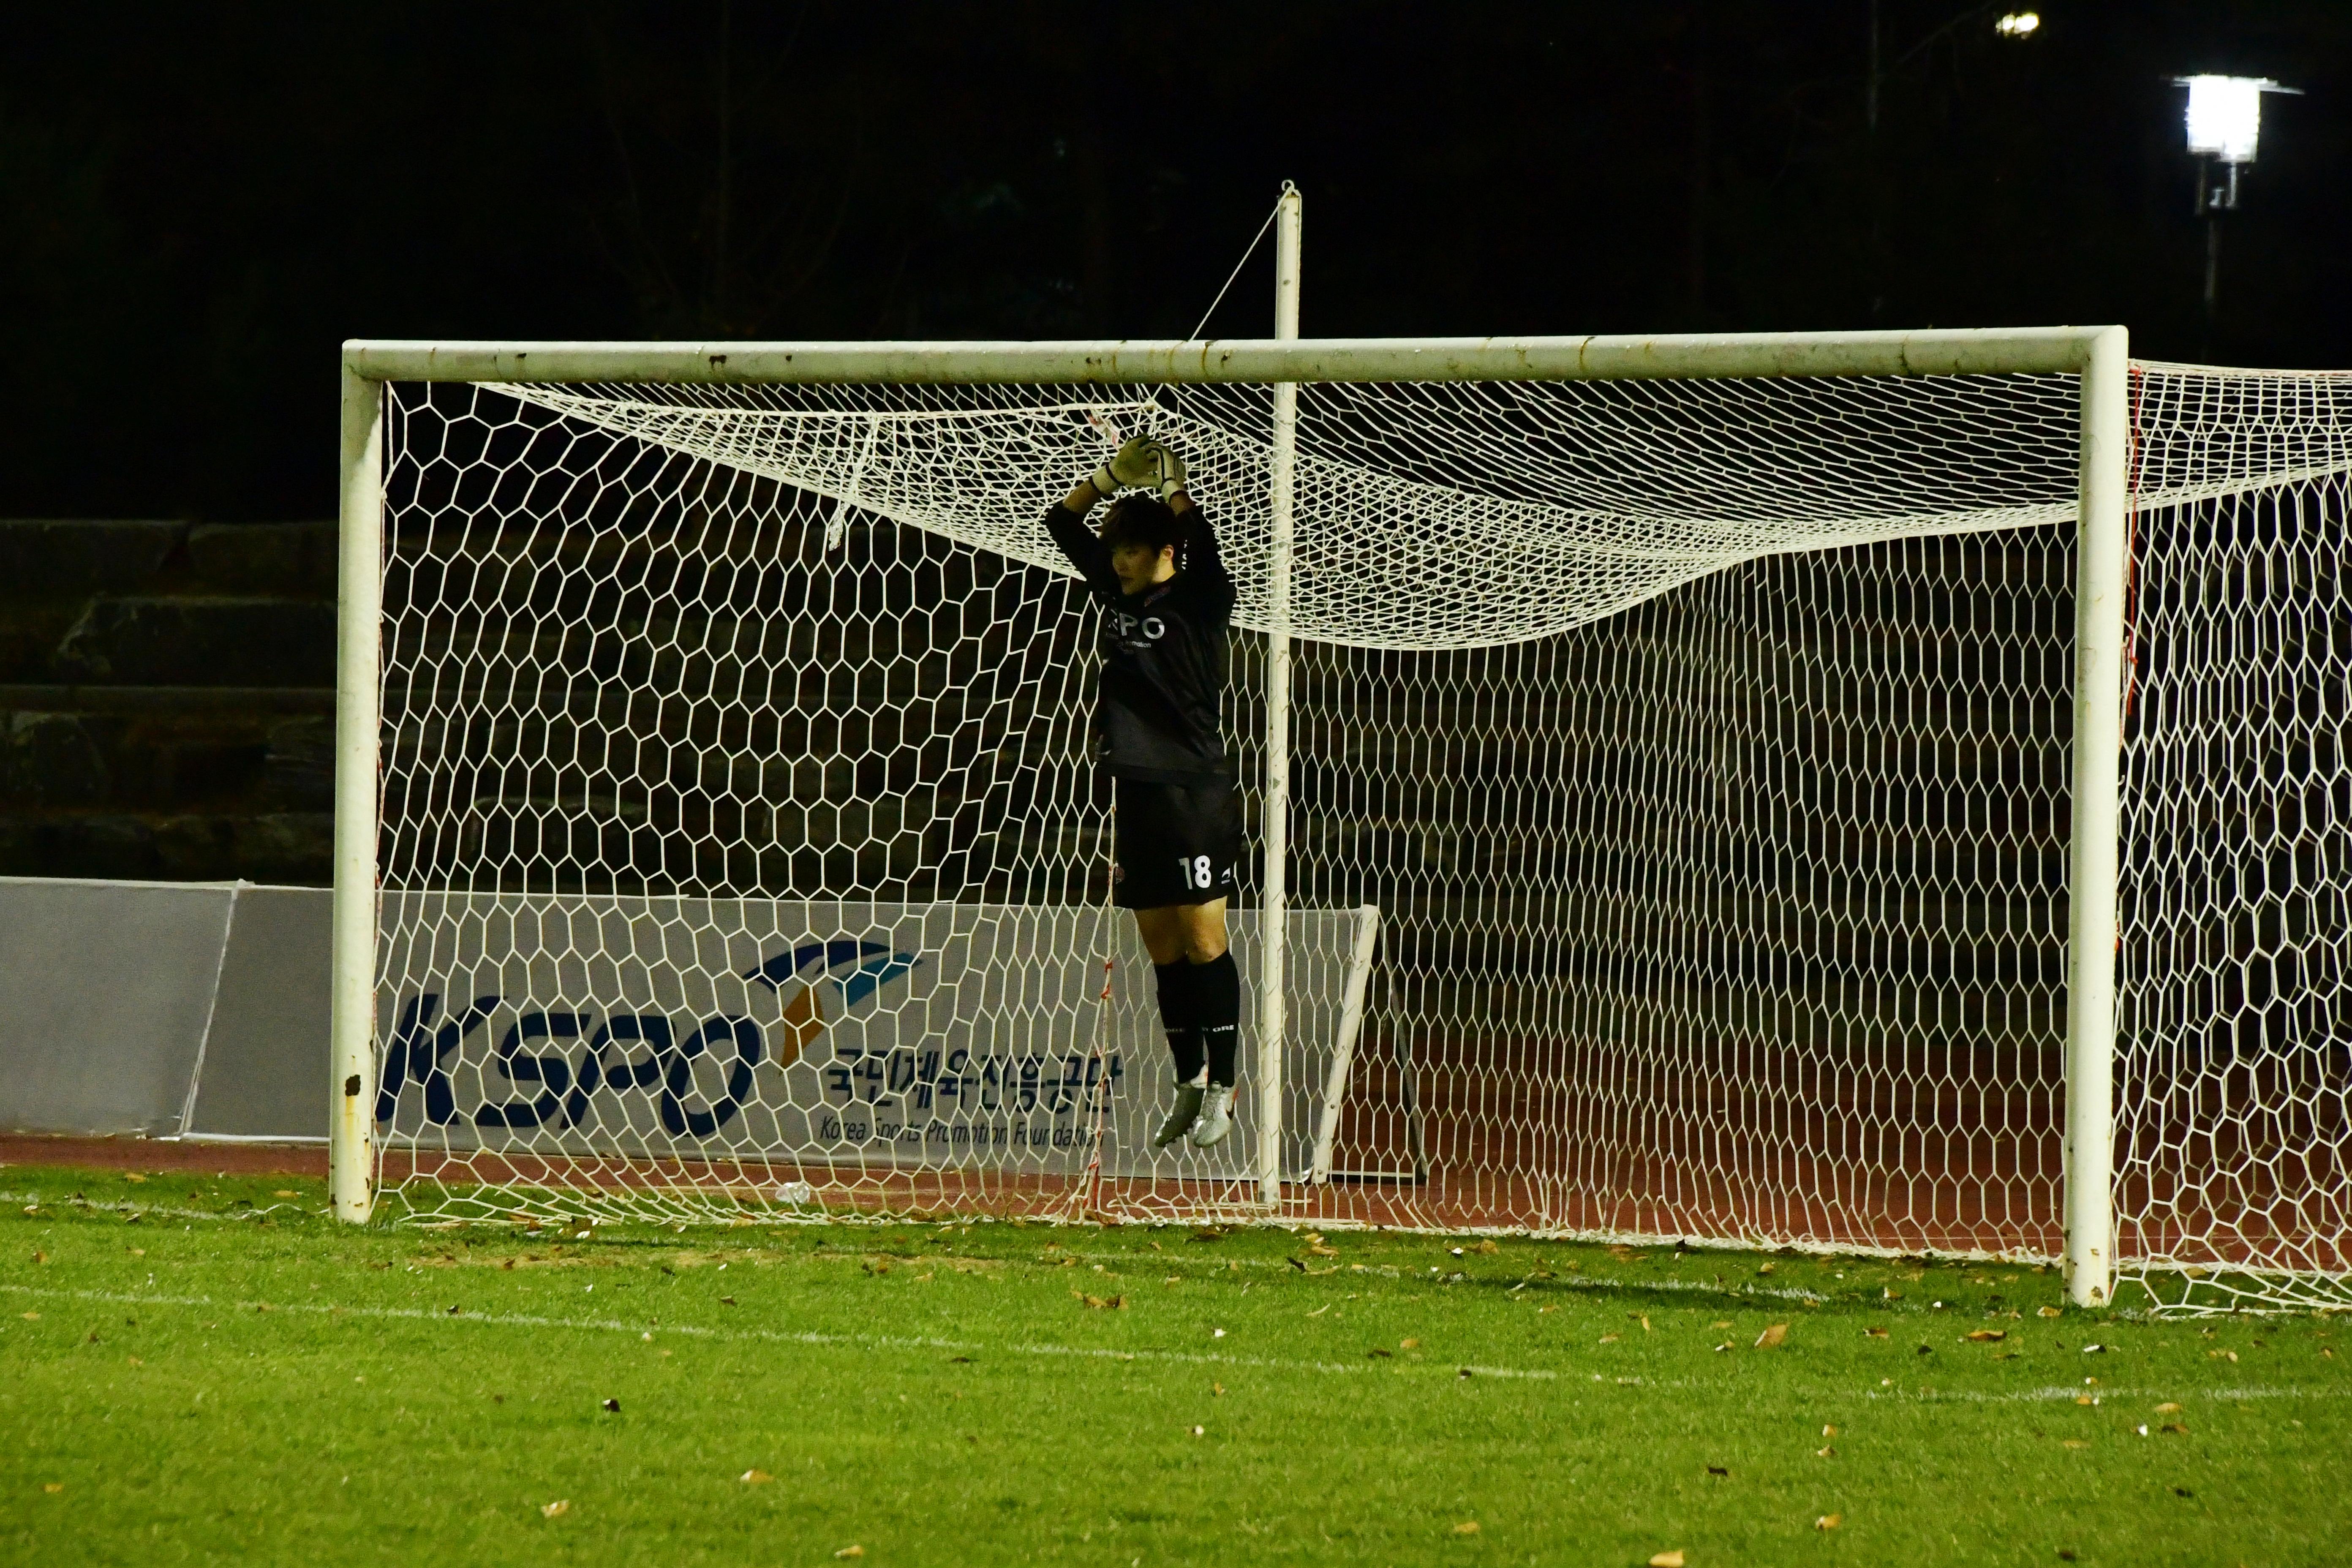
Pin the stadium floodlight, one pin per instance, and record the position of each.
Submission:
(2224, 123)
(2019, 24)
(2225, 115)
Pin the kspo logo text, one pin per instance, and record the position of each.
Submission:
(627, 1052)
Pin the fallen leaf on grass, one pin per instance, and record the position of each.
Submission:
(1772, 1336)
(1107, 1303)
(2222, 1355)
(1467, 1527)
(2167, 1408)
(280, 1192)
(955, 1359)
(52, 1486)
(1720, 1323)
(1765, 1268)
(1486, 1246)
(1217, 1390)
(1829, 1431)
(557, 1509)
(1384, 1355)
(851, 1551)
(1408, 1344)
(40, 1258)
(1718, 1469)
(754, 1477)
(2175, 1427)
(1825, 1452)
(1829, 1522)
(1981, 1335)
(2073, 1443)
(2050, 1312)
(1875, 1334)
(32, 1317)
(1667, 1559)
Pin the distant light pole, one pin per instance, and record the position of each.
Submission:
(2011, 25)
(2225, 124)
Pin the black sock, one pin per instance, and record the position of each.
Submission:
(1178, 1015)
(1217, 1005)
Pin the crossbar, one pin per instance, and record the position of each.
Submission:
(1943, 351)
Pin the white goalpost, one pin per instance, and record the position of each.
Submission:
(1775, 789)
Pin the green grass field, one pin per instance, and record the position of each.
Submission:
(210, 1370)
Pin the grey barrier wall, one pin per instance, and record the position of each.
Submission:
(162, 1009)
(265, 1064)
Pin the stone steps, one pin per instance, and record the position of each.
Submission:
(166, 702)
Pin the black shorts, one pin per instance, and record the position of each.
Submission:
(1175, 844)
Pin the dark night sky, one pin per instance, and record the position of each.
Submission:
(199, 203)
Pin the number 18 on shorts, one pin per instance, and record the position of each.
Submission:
(1175, 844)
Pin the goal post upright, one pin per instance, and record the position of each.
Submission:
(1274, 888)
(2102, 570)
(359, 621)
(2098, 354)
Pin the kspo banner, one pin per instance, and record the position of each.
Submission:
(858, 1033)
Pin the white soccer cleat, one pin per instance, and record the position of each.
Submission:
(1180, 1121)
(1216, 1117)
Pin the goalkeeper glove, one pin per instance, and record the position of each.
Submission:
(1131, 467)
(1167, 470)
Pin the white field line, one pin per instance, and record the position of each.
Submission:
(138, 1209)
(1385, 1271)
(2062, 1394)
(764, 1336)
(2052, 1394)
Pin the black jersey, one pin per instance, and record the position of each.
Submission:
(1164, 658)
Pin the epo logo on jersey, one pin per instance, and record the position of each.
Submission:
(1152, 627)
(702, 1071)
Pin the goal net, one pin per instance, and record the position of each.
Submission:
(1679, 819)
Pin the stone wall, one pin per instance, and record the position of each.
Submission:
(166, 700)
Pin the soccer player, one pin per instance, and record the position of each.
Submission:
(1166, 603)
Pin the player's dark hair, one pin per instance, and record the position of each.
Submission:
(1144, 520)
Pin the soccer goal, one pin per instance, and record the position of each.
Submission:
(1860, 791)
